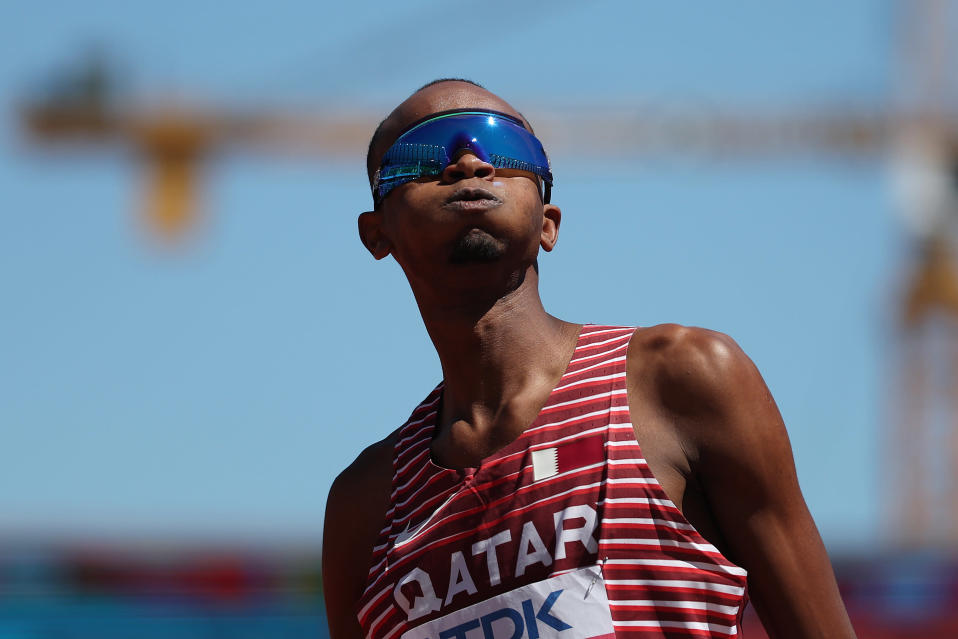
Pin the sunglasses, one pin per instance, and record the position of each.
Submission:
(430, 145)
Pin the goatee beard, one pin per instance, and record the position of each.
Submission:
(477, 247)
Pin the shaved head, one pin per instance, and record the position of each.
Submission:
(439, 95)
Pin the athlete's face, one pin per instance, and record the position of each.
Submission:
(471, 215)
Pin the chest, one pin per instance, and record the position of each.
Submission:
(521, 516)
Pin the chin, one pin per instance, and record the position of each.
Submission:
(477, 247)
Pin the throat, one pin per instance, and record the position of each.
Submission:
(463, 446)
(477, 419)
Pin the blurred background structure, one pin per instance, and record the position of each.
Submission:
(176, 394)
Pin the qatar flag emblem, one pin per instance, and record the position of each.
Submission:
(549, 462)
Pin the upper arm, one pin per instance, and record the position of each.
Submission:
(355, 508)
(742, 459)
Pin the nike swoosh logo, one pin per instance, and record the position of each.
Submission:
(409, 533)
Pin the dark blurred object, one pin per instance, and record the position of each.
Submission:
(85, 105)
(77, 101)
(205, 592)
(82, 104)
(188, 593)
(908, 596)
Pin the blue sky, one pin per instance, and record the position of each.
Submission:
(216, 390)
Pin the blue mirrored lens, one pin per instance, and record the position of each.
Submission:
(430, 146)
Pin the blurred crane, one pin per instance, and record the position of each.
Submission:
(175, 141)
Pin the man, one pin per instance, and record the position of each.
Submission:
(562, 480)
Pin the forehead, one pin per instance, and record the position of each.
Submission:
(444, 96)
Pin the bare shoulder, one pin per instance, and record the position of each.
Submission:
(693, 371)
(370, 471)
(701, 404)
(355, 511)
(359, 496)
(710, 395)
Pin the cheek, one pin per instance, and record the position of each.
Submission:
(416, 207)
(524, 197)
(413, 230)
(407, 212)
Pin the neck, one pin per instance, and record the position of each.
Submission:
(497, 353)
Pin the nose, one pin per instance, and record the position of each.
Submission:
(467, 165)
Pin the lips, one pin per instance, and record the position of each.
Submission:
(472, 199)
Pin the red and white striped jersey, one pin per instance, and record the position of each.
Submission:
(568, 515)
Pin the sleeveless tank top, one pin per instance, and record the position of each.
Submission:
(562, 533)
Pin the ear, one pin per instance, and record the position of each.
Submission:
(551, 217)
(371, 234)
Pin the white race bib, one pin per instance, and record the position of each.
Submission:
(571, 606)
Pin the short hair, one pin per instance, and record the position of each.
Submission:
(378, 132)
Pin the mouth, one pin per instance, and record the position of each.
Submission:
(472, 199)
